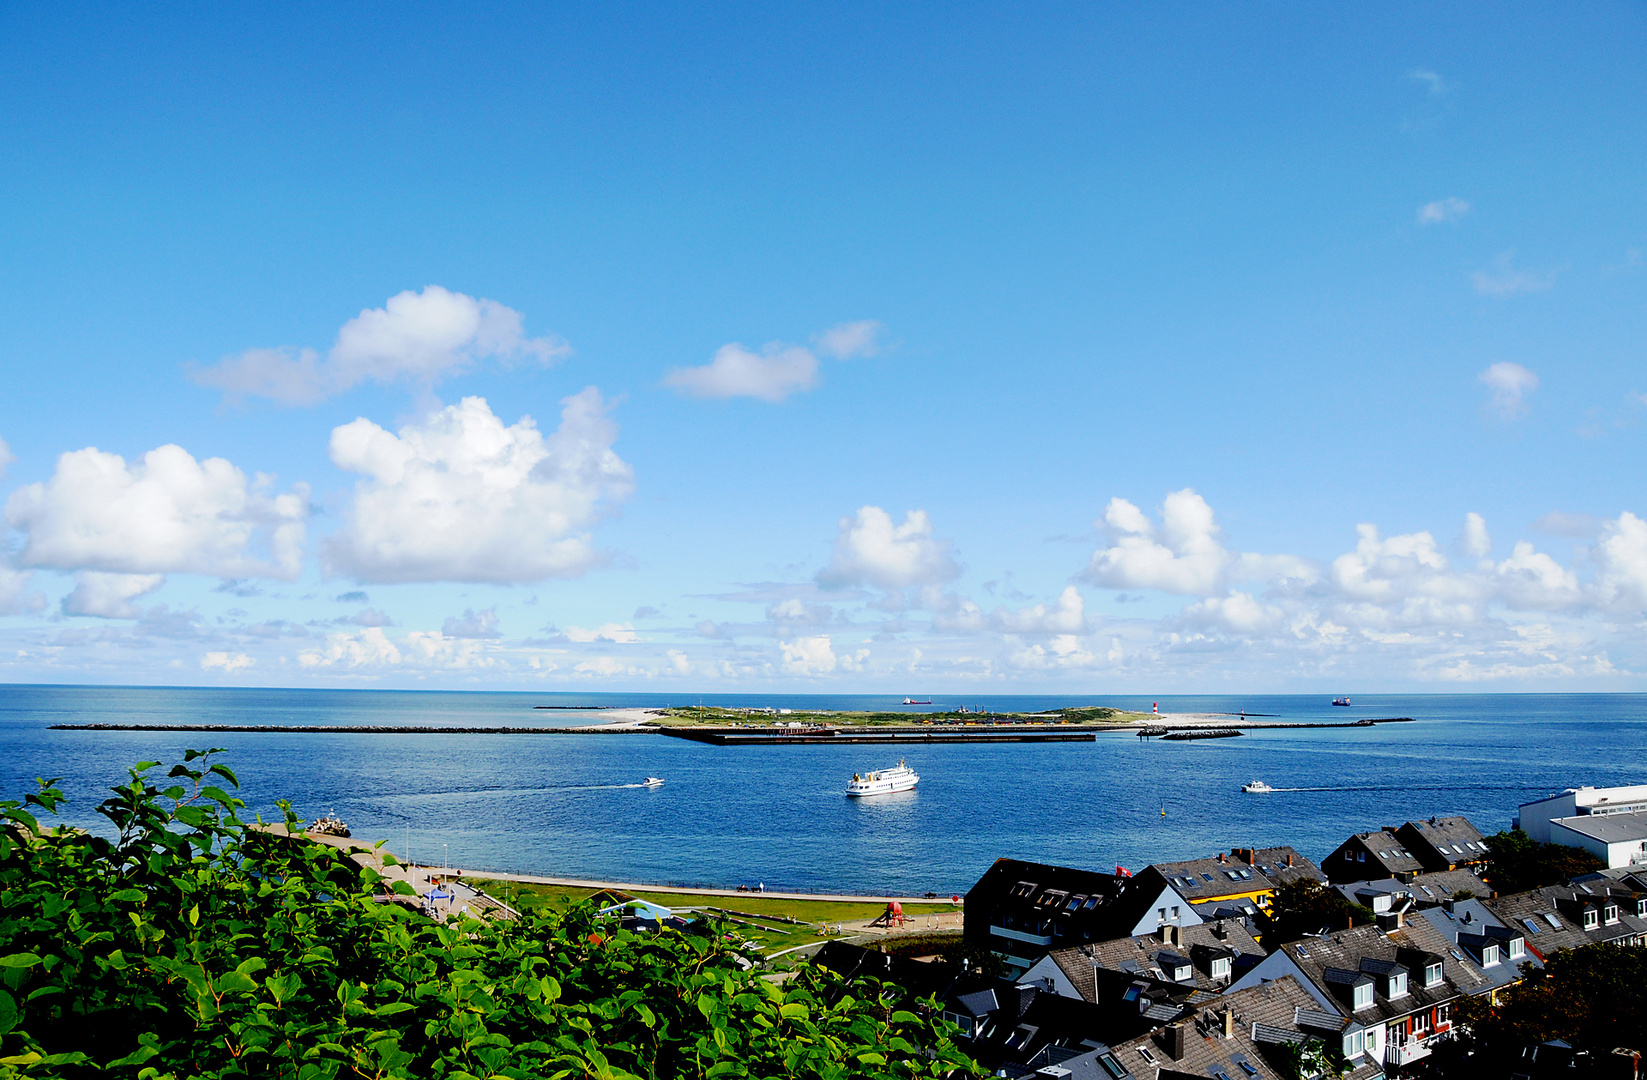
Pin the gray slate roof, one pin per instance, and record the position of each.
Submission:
(1345, 950)
(1554, 918)
(1140, 955)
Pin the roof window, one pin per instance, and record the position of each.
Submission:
(1555, 923)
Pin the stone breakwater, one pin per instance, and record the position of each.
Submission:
(358, 729)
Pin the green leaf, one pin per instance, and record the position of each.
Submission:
(19, 960)
(395, 1008)
(8, 1012)
(194, 915)
(793, 1011)
(128, 896)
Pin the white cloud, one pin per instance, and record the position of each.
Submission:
(369, 648)
(1066, 616)
(163, 513)
(1442, 210)
(226, 662)
(15, 599)
(618, 633)
(460, 497)
(7, 458)
(472, 624)
(1475, 541)
(415, 337)
(770, 375)
(1431, 81)
(1620, 556)
(851, 340)
(808, 656)
(1064, 651)
(1505, 280)
(871, 550)
(1239, 611)
(1529, 579)
(1556, 523)
(678, 662)
(1508, 384)
(798, 612)
(1186, 558)
(109, 596)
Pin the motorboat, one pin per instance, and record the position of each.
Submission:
(1257, 787)
(652, 782)
(882, 782)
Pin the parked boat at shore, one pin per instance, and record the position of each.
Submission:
(884, 782)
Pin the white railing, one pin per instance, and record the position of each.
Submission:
(1019, 935)
(1406, 1053)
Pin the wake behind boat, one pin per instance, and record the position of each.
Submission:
(898, 778)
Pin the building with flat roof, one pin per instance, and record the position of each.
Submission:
(1535, 817)
(1619, 840)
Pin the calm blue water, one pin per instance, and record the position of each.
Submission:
(557, 804)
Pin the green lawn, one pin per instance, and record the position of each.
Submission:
(773, 932)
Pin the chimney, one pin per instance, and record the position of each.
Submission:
(1289, 858)
(1220, 856)
(1175, 1041)
(1229, 1023)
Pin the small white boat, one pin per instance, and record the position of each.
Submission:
(1257, 787)
(884, 782)
(652, 782)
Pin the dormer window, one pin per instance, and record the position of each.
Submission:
(1432, 974)
(1609, 914)
(1518, 947)
(1396, 985)
(1220, 967)
(1364, 995)
(1592, 919)
(1641, 906)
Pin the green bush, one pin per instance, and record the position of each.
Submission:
(194, 945)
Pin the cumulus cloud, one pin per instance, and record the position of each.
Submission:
(1620, 556)
(797, 612)
(1442, 210)
(1556, 523)
(808, 656)
(420, 649)
(459, 496)
(109, 596)
(472, 624)
(1475, 541)
(871, 550)
(165, 512)
(417, 337)
(1504, 279)
(1508, 386)
(15, 599)
(7, 458)
(772, 374)
(851, 340)
(369, 617)
(226, 662)
(1183, 556)
(1067, 615)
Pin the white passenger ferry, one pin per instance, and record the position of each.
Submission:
(884, 782)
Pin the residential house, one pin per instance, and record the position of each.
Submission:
(1571, 916)
(1415, 894)
(1020, 911)
(1208, 956)
(1399, 985)
(1497, 949)
(1443, 843)
(1241, 881)
(1371, 856)
(1535, 817)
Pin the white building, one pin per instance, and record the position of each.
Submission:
(1535, 818)
(1619, 840)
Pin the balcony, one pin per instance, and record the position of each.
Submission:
(1405, 1053)
(1019, 935)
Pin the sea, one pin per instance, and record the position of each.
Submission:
(571, 805)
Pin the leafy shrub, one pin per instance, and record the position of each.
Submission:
(194, 945)
(1518, 863)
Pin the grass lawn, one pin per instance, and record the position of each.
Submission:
(771, 934)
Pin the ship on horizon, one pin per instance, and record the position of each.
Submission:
(912, 701)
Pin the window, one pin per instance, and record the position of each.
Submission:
(1532, 927)
(1220, 967)
(1489, 956)
(1207, 876)
(1349, 856)
(1384, 855)
(1246, 875)
(1421, 1022)
(1175, 911)
(1442, 1012)
(1432, 974)
(1131, 994)
(1355, 1044)
(1518, 947)
(1610, 914)
(1364, 995)
(1247, 1068)
(1641, 906)
(1161, 913)
(1112, 1066)
(1397, 987)
(1074, 903)
(1149, 1058)
(1555, 923)
(1092, 902)
(1360, 856)
(1591, 919)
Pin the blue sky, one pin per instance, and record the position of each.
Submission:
(908, 350)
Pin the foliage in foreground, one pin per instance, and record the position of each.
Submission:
(1307, 907)
(195, 946)
(1594, 997)
(1518, 863)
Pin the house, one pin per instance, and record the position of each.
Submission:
(1619, 840)
(1371, 856)
(1498, 949)
(1246, 878)
(1418, 892)
(1535, 817)
(1208, 956)
(1398, 985)
(1020, 910)
(1443, 843)
(1571, 916)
